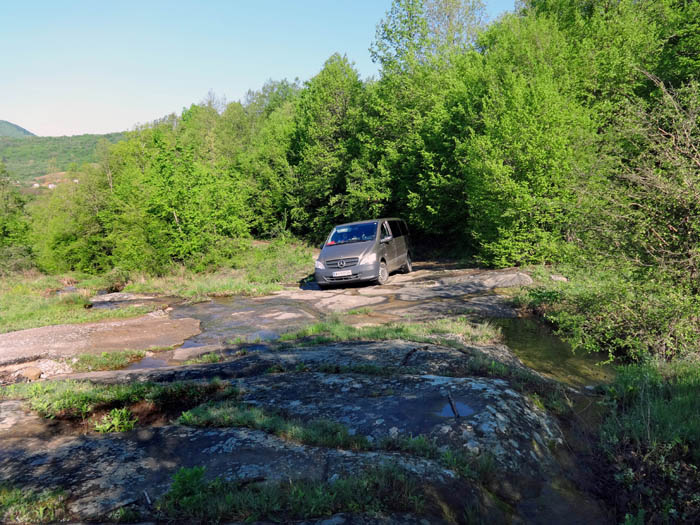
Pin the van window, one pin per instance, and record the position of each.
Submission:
(385, 231)
(353, 233)
(396, 228)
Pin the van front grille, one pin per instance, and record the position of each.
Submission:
(349, 261)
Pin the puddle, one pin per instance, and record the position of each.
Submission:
(540, 349)
(235, 319)
(112, 304)
(463, 410)
(147, 362)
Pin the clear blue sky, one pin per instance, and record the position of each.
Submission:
(71, 67)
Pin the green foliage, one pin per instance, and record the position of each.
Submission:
(384, 489)
(78, 399)
(205, 359)
(441, 330)
(14, 253)
(620, 311)
(653, 433)
(8, 129)
(23, 505)
(28, 157)
(106, 360)
(31, 300)
(117, 420)
(318, 432)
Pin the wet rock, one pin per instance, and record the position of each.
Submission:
(103, 473)
(243, 318)
(120, 297)
(384, 357)
(61, 341)
(184, 354)
(491, 416)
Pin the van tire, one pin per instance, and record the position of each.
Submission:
(383, 276)
(408, 266)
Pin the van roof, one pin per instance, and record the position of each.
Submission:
(370, 220)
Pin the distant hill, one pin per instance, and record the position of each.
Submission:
(34, 156)
(8, 129)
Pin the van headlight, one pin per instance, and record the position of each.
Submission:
(369, 258)
(319, 265)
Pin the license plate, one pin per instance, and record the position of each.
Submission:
(342, 273)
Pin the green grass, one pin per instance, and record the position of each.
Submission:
(330, 434)
(230, 413)
(652, 438)
(629, 313)
(383, 489)
(443, 331)
(28, 157)
(118, 420)
(79, 399)
(206, 358)
(19, 505)
(360, 311)
(29, 300)
(656, 403)
(259, 269)
(105, 360)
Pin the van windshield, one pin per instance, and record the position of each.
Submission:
(353, 233)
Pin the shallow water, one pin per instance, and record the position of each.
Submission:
(540, 349)
(147, 362)
(463, 410)
(228, 319)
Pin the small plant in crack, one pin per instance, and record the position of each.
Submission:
(117, 420)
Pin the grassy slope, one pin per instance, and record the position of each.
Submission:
(31, 156)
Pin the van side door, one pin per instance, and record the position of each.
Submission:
(387, 245)
(399, 242)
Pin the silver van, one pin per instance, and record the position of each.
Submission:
(364, 251)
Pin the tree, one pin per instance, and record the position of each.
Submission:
(417, 31)
(324, 145)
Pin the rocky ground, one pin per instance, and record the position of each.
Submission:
(480, 444)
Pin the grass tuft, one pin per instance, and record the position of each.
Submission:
(384, 489)
(652, 437)
(79, 399)
(118, 420)
(442, 331)
(204, 359)
(27, 506)
(318, 432)
(105, 360)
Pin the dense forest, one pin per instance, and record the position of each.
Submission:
(566, 132)
(29, 156)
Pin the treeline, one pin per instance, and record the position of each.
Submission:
(564, 132)
(27, 157)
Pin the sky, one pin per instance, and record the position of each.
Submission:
(73, 67)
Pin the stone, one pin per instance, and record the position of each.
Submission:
(32, 373)
(558, 278)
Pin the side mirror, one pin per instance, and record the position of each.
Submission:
(387, 239)
(321, 246)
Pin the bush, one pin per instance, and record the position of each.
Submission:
(629, 315)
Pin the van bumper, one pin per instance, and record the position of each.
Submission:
(360, 272)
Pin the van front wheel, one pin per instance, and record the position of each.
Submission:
(383, 273)
(408, 267)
